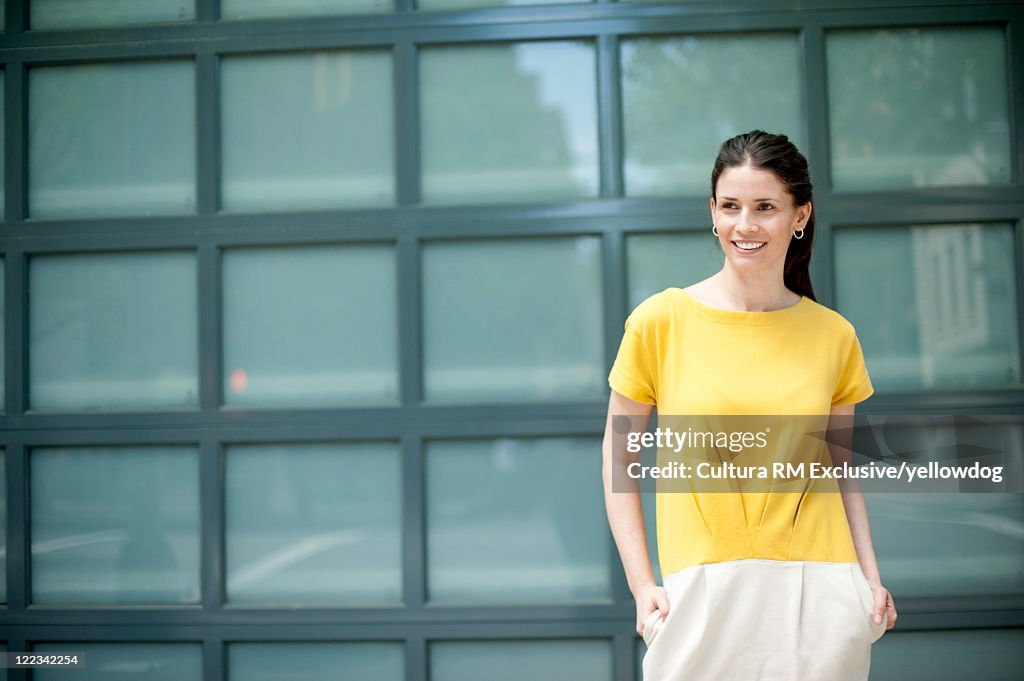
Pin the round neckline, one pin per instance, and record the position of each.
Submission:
(744, 316)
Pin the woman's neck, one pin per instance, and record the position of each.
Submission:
(747, 292)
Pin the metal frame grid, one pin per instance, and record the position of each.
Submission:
(407, 226)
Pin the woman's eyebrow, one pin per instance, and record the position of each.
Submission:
(731, 198)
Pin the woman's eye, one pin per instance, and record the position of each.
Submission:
(766, 206)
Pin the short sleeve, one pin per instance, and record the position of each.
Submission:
(632, 373)
(853, 384)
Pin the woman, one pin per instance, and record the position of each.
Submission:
(756, 585)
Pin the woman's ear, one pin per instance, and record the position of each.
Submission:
(803, 214)
(712, 209)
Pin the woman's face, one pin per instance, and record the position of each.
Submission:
(756, 218)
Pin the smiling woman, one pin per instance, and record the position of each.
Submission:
(765, 584)
(761, 204)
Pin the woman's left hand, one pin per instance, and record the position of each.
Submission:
(883, 604)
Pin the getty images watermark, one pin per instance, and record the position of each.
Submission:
(880, 453)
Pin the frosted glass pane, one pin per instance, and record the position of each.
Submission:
(3, 321)
(339, 346)
(315, 524)
(468, 4)
(949, 544)
(579, 660)
(112, 661)
(513, 320)
(113, 331)
(918, 107)
(112, 139)
(3, 525)
(255, 9)
(992, 654)
(655, 262)
(115, 525)
(316, 661)
(78, 13)
(516, 521)
(307, 131)
(934, 306)
(682, 97)
(3, 182)
(509, 122)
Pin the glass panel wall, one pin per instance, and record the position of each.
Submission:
(918, 107)
(509, 122)
(307, 131)
(115, 525)
(113, 331)
(683, 95)
(129, 150)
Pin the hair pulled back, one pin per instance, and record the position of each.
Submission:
(776, 154)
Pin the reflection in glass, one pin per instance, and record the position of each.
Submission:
(87, 13)
(307, 131)
(339, 346)
(516, 521)
(257, 9)
(949, 544)
(113, 331)
(3, 183)
(3, 525)
(527, 328)
(514, 122)
(683, 96)
(316, 661)
(3, 318)
(918, 107)
(313, 524)
(565, 660)
(655, 262)
(110, 661)
(128, 148)
(929, 655)
(934, 306)
(115, 525)
(469, 4)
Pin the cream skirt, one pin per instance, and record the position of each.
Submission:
(756, 619)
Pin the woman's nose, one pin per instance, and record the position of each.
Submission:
(746, 222)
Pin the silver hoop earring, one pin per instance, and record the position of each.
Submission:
(714, 230)
(798, 234)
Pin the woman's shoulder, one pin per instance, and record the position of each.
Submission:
(656, 309)
(827, 319)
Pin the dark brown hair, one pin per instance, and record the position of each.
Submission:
(778, 155)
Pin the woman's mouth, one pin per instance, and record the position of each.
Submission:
(748, 246)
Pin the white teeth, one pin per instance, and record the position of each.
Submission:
(749, 245)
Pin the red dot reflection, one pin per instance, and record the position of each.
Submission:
(239, 380)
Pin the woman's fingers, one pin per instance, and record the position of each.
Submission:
(890, 610)
(884, 605)
(881, 595)
(658, 603)
(663, 604)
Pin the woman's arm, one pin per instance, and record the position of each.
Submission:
(840, 438)
(624, 509)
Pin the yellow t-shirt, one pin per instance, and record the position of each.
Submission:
(688, 358)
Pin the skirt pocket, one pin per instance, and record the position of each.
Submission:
(867, 602)
(651, 627)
